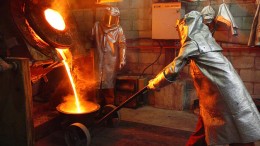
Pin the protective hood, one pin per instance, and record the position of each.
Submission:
(192, 28)
(111, 17)
(208, 14)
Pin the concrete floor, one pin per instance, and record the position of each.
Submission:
(180, 120)
(168, 127)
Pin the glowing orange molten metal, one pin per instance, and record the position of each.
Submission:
(74, 105)
(85, 106)
(54, 19)
(61, 51)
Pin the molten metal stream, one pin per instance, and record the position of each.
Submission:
(71, 79)
(54, 18)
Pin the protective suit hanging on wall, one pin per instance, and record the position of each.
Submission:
(227, 111)
(209, 18)
(109, 53)
(224, 16)
(254, 38)
(208, 14)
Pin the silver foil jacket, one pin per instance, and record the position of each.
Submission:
(226, 107)
(109, 54)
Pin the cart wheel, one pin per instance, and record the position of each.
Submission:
(77, 135)
(113, 120)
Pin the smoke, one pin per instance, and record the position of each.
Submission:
(82, 63)
(60, 5)
(83, 75)
(69, 98)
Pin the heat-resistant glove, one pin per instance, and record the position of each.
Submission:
(162, 79)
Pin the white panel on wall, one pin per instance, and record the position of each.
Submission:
(164, 16)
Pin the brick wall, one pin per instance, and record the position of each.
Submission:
(142, 51)
(136, 18)
(245, 61)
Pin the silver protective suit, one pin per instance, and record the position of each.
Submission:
(109, 54)
(225, 16)
(227, 110)
(208, 14)
(254, 37)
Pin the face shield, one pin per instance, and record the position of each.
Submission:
(110, 21)
(111, 17)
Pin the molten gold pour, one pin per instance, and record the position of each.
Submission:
(70, 107)
(61, 51)
(54, 19)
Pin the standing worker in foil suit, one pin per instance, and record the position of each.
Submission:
(109, 54)
(228, 114)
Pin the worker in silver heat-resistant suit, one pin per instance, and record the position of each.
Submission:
(109, 53)
(228, 114)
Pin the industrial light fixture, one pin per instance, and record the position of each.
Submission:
(107, 1)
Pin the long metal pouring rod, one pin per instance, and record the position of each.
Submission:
(122, 104)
